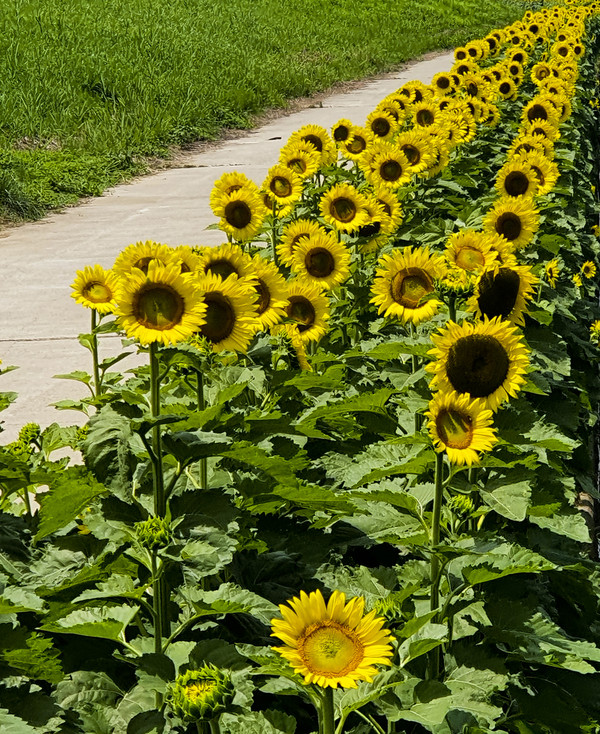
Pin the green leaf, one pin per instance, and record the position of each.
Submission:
(428, 637)
(502, 560)
(282, 470)
(509, 500)
(229, 599)
(570, 523)
(385, 524)
(10, 724)
(188, 446)
(549, 437)
(14, 600)
(108, 622)
(257, 722)
(70, 492)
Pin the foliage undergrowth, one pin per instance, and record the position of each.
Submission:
(83, 103)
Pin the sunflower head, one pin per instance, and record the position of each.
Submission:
(242, 213)
(343, 207)
(201, 695)
(307, 309)
(513, 218)
(503, 291)
(283, 185)
(225, 261)
(333, 644)
(323, 260)
(95, 288)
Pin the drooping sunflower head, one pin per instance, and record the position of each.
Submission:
(283, 185)
(486, 360)
(404, 285)
(95, 288)
(230, 315)
(332, 644)
(292, 234)
(225, 260)
(343, 207)
(161, 305)
(242, 213)
(322, 260)
(140, 255)
(517, 178)
(515, 219)
(503, 291)
(460, 426)
(308, 310)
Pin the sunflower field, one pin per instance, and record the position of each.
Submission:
(351, 485)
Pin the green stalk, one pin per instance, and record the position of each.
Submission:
(27, 502)
(157, 598)
(214, 726)
(435, 561)
(327, 723)
(160, 506)
(274, 237)
(97, 384)
(414, 363)
(201, 406)
(452, 308)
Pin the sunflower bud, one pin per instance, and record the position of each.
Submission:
(154, 533)
(462, 505)
(30, 432)
(201, 695)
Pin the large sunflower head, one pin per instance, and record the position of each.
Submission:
(271, 292)
(358, 141)
(404, 286)
(161, 305)
(515, 219)
(470, 250)
(527, 143)
(332, 644)
(425, 114)
(291, 236)
(188, 258)
(140, 255)
(283, 185)
(417, 147)
(486, 360)
(308, 310)
(242, 213)
(541, 127)
(389, 167)
(503, 291)
(230, 315)
(443, 83)
(300, 158)
(545, 170)
(319, 138)
(225, 260)
(343, 207)
(322, 260)
(95, 288)
(227, 184)
(517, 178)
(381, 124)
(541, 107)
(342, 130)
(460, 426)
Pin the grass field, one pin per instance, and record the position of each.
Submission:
(89, 88)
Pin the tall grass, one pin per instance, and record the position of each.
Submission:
(95, 85)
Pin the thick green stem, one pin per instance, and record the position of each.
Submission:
(214, 726)
(201, 406)
(160, 507)
(452, 308)
(97, 383)
(414, 363)
(435, 561)
(274, 237)
(158, 618)
(202, 727)
(27, 501)
(327, 716)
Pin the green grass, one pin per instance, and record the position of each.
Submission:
(89, 88)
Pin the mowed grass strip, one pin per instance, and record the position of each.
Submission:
(89, 89)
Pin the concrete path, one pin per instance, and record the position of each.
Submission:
(40, 322)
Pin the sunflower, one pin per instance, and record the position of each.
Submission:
(503, 291)
(424, 114)
(404, 284)
(381, 124)
(161, 305)
(392, 210)
(541, 108)
(473, 85)
(371, 237)
(342, 130)
(321, 260)
(225, 260)
(389, 167)
(319, 137)
(271, 292)
(230, 320)
(541, 127)
(443, 83)
(343, 207)
(588, 269)
(546, 171)
(540, 71)
(513, 218)
(356, 144)
(242, 213)
(528, 143)
(577, 280)
(95, 288)
(595, 332)
(460, 426)
(552, 271)
(282, 185)
(188, 257)
(291, 236)
(517, 178)
(308, 308)
(507, 88)
(486, 359)
(332, 644)
(227, 184)
(140, 255)
(417, 148)
(300, 159)
(470, 251)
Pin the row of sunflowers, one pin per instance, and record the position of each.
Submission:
(363, 426)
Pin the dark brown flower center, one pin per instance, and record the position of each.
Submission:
(412, 153)
(380, 126)
(264, 296)
(238, 214)
(498, 293)
(314, 140)
(509, 225)
(516, 183)
(390, 170)
(505, 88)
(477, 364)
(409, 286)
(280, 187)
(223, 268)
(341, 133)
(219, 317)
(454, 428)
(343, 209)
(425, 118)
(537, 112)
(301, 310)
(158, 306)
(443, 82)
(356, 145)
(319, 262)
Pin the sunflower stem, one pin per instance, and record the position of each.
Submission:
(157, 474)
(435, 561)
(201, 406)
(452, 308)
(327, 715)
(27, 502)
(214, 726)
(274, 237)
(414, 362)
(97, 383)
(158, 618)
